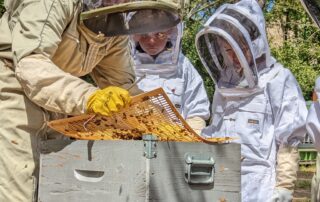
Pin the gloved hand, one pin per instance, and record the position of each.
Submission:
(196, 123)
(108, 100)
(281, 195)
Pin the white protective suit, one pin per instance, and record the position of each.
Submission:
(264, 109)
(313, 119)
(185, 88)
(313, 128)
(172, 71)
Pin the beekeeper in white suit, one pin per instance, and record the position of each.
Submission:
(313, 119)
(257, 101)
(313, 128)
(159, 60)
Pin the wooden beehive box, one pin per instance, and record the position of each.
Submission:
(139, 171)
(116, 161)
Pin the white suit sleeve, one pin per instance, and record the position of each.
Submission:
(290, 111)
(313, 124)
(313, 119)
(195, 100)
(289, 114)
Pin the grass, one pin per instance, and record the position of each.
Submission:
(303, 184)
(308, 168)
(302, 191)
(301, 200)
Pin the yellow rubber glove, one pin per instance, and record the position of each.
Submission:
(108, 100)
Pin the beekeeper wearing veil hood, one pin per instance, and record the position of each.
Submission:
(257, 101)
(159, 60)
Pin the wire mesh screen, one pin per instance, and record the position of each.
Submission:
(148, 113)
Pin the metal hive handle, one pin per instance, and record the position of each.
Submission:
(88, 175)
(199, 169)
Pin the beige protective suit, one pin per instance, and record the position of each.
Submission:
(43, 51)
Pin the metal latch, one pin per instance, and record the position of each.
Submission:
(199, 168)
(150, 144)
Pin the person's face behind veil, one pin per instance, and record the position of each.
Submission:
(153, 43)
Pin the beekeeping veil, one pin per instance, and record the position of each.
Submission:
(233, 47)
(123, 17)
(313, 9)
(165, 63)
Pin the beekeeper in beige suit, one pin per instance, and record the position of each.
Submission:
(45, 45)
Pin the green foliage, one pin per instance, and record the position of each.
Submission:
(304, 184)
(299, 49)
(292, 55)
